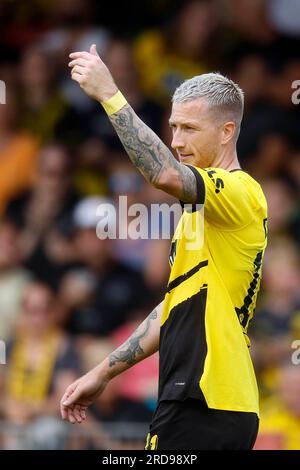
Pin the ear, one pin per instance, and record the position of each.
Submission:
(229, 129)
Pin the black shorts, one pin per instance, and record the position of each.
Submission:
(191, 425)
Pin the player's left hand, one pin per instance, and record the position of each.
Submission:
(91, 73)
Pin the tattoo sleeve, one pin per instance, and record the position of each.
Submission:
(151, 156)
(129, 351)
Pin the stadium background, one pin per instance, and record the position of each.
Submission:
(67, 298)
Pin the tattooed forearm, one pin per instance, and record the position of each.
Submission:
(129, 351)
(188, 185)
(145, 149)
(151, 156)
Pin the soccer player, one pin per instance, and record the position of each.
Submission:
(208, 397)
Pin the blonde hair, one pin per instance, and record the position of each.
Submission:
(221, 94)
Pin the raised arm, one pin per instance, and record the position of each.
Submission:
(152, 157)
(145, 149)
(142, 343)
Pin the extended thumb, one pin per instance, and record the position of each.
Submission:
(93, 49)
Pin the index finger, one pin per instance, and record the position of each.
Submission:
(78, 55)
(63, 408)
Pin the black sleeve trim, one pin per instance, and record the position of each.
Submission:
(200, 188)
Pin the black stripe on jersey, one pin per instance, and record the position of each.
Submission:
(200, 189)
(243, 312)
(172, 252)
(183, 277)
(183, 349)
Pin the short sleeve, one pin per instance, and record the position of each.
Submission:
(225, 196)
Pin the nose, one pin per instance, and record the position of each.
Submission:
(177, 141)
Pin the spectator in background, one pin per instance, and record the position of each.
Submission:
(13, 279)
(43, 216)
(293, 170)
(72, 25)
(281, 204)
(278, 317)
(270, 112)
(280, 415)
(125, 182)
(270, 159)
(116, 421)
(41, 361)
(127, 418)
(252, 30)
(293, 167)
(252, 73)
(249, 24)
(280, 94)
(140, 382)
(251, 34)
(144, 254)
(186, 47)
(43, 110)
(255, 42)
(285, 16)
(18, 153)
(102, 292)
(123, 418)
(91, 168)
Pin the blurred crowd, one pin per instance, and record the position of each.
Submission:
(67, 298)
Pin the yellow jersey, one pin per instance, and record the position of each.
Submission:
(216, 259)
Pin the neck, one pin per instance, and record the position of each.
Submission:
(228, 160)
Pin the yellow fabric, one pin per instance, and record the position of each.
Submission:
(279, 425)
(31, 383)
(151, 442)
(42, 121)
(231, 236)
(17, 166)
(114, 104)
(160, 69)
(89, 183)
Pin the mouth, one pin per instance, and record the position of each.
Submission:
(183, 156)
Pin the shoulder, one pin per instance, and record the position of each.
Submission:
(231, 198)
(254, 189)
(232, 180)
